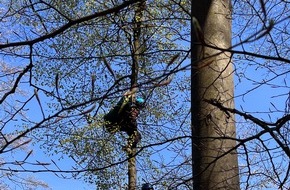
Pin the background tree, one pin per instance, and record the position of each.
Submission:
(70, 83)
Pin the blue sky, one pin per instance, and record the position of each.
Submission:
(258, 102)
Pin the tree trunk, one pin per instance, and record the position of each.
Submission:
(136, 52)
(132, 175)
(215, 165)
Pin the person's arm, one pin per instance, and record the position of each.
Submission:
(117, 110)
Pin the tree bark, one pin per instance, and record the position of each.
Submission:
(132, 175)
(215, 165)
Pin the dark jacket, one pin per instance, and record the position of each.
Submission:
(122, 117)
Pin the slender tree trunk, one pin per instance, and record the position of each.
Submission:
(132, 173)
(215, 165)
(136, 53)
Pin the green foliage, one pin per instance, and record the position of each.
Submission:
(78, 54)
(72, 75)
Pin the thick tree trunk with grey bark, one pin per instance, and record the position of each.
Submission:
(215, 164)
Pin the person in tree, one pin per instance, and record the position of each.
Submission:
(123, 117)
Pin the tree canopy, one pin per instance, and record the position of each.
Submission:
(64, 64)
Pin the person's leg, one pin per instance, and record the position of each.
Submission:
(111, 128)
(134, 139)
